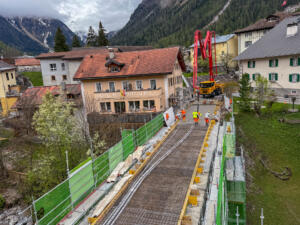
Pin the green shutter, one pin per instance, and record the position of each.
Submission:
(291, 78)
(270, 76)
(291, 61)
(253, 64)
(248, 76)
(299, 61)
(248, 64)
(253, 76)
(270, 63)
(298, 78)
(276, 76)
(276, 62)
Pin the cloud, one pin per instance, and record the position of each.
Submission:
(77, 14)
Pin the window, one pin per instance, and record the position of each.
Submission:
(248, 43)
(134, 106)
(248, 34)
(114, 69)
(139, 85)
(223, 53)
(294, 92)
(273, 76)
(149, 104)
(53, 67)
(64, 77)
(153, 84)
(105, 106)
(295, 61)
(112, 86)
(126, 85)
(251, 64)
(273, 63)
(7, 76)
(98, 87)
(255, 76)
(53, 78)
(12, 76)
(63, 67)
(294, 78)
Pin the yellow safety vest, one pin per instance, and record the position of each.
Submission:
(195, 115)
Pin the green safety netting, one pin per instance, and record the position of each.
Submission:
(54, 205)
(81, 183)
(101, 168)
(230, 145)
(57, 203)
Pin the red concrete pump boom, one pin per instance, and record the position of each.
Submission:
(204, 46)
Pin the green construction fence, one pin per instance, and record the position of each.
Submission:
(57, 203)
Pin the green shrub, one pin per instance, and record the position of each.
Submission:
(2, 202)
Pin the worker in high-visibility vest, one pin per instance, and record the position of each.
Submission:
(183, 114)
(196, 117)
(206, 118)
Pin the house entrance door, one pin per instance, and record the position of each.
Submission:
(120, 107)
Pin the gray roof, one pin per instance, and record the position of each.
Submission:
(5, 66)
(274, 43)
(219, 39)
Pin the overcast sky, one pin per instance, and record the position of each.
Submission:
(77, 14)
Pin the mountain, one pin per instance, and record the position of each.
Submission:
(173, 22)
(32, 35)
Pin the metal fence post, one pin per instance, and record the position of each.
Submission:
(262, 217)
(237, 215)
(68, 172)
(146, 130)
(35, 212)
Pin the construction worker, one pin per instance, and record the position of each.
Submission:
(206, 118)
(183, 112)
(196, 117)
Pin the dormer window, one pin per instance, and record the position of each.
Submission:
(113, 65)
(114, 69)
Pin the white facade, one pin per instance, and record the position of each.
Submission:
(55, 71)
(283, 85)
(248, 38)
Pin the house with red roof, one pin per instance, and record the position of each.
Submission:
(58, 67)
(131, 82)
(30, 64)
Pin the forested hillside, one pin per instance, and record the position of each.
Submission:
(173, 22)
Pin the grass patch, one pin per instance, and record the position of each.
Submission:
(35, 78)
(278, 144)
(293, 116)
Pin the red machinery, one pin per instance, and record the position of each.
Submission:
(204, 46)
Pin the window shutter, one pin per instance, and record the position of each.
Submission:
(276, 76)
(276, 62)
(248, 64)
(270, 76)
(291, 61)
(253, 76)
(270, 63)
(291, 78)
(299, 61)
(248, 76)
(298, 77)
(253, 64)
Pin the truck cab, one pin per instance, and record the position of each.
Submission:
(210, 89)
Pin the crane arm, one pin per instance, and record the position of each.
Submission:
(204, 46)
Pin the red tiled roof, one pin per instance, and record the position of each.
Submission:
(36, 93)
(27, 62)
(149, 62)
(264, 23)
(75, 54)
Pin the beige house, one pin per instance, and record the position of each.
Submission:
(131, 82)
(251, 34)
(276, 56)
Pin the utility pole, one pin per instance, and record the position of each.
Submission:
(262, 217)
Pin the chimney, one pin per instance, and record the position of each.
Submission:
(111, 53)
(292, 29)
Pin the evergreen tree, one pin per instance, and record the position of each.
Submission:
(245, 87)
(91, 40)
(60, 42)
(76, 42)
(102, 40)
